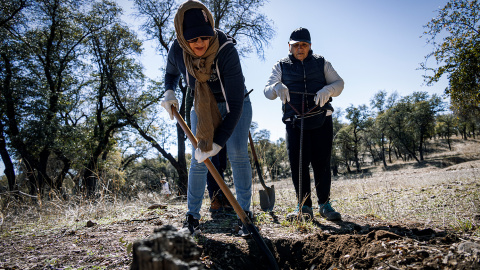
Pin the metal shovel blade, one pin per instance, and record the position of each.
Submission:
(267, 199)
(267, 196)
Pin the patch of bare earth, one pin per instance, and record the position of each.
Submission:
(409, 216)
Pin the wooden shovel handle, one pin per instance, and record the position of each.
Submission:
(255, 159)
(218, 178)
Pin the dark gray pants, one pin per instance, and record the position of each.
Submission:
(317, 150)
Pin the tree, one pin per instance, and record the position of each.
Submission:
(11, 17)
(10, 11)
(446, 128)
(458, 52)
(47, 100)
(50, 47)
(337, 126)
(423, 117)
(241, 20)
(378, 102)
(372, 137)
(158, 25)
(397, 120)
(111, 48)
(411, 121)
(358, 117)
(343, 144)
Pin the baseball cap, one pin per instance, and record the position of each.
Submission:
(300, 35)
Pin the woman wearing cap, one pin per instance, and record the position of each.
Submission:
(306, 82)
(207, 59)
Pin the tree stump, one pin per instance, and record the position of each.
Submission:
(168, 249)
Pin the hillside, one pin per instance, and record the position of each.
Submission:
(410, 216)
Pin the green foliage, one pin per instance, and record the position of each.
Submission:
(66, 71)
(446, 126)
(358, 121)
(455, 35)
(128, 245)
(271, 156)
(411, 121)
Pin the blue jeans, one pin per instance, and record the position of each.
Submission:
(237, 152)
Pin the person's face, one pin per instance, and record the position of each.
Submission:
(199, 45)
(300, 50)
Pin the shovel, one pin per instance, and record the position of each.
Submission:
(267, 196)
(228, 194)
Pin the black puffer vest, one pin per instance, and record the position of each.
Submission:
(302, 76)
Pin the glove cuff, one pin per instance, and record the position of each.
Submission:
(170, 95)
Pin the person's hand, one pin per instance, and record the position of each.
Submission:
(282, 92)
(168, 101)
(322, 97)
(200, 156)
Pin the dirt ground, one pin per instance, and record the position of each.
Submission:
(360, 241)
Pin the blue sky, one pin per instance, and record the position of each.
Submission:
(373, 45)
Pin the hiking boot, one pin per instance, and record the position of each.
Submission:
(191, 225)
(326, 210)
(306, 211)
(243, 230)
(226, 204)
(216, 204)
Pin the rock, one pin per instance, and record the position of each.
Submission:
(157, 206)
(424, 232)
(166, 249)
(469, 247)
(381, 234)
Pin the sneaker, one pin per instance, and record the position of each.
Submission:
(191, 225)
(306, 211)
(216, 204)
(243, 231)
(326, 210)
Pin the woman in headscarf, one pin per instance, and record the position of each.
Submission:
(207, 59)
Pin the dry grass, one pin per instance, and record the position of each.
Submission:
(441, 193)
(428, 195)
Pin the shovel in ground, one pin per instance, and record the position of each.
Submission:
(267, 196)
(228, 194)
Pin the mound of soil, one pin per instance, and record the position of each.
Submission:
(348, 244)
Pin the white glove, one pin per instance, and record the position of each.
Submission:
(168, 101)
(322, 97)
(200, 156)
(282, 92)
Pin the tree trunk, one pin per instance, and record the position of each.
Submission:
(182, 181)
(90, 178)
(7, 161)
(420, 148)
(383, 151)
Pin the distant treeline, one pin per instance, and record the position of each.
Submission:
(78, 115)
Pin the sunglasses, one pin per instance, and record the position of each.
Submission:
(194, 40)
